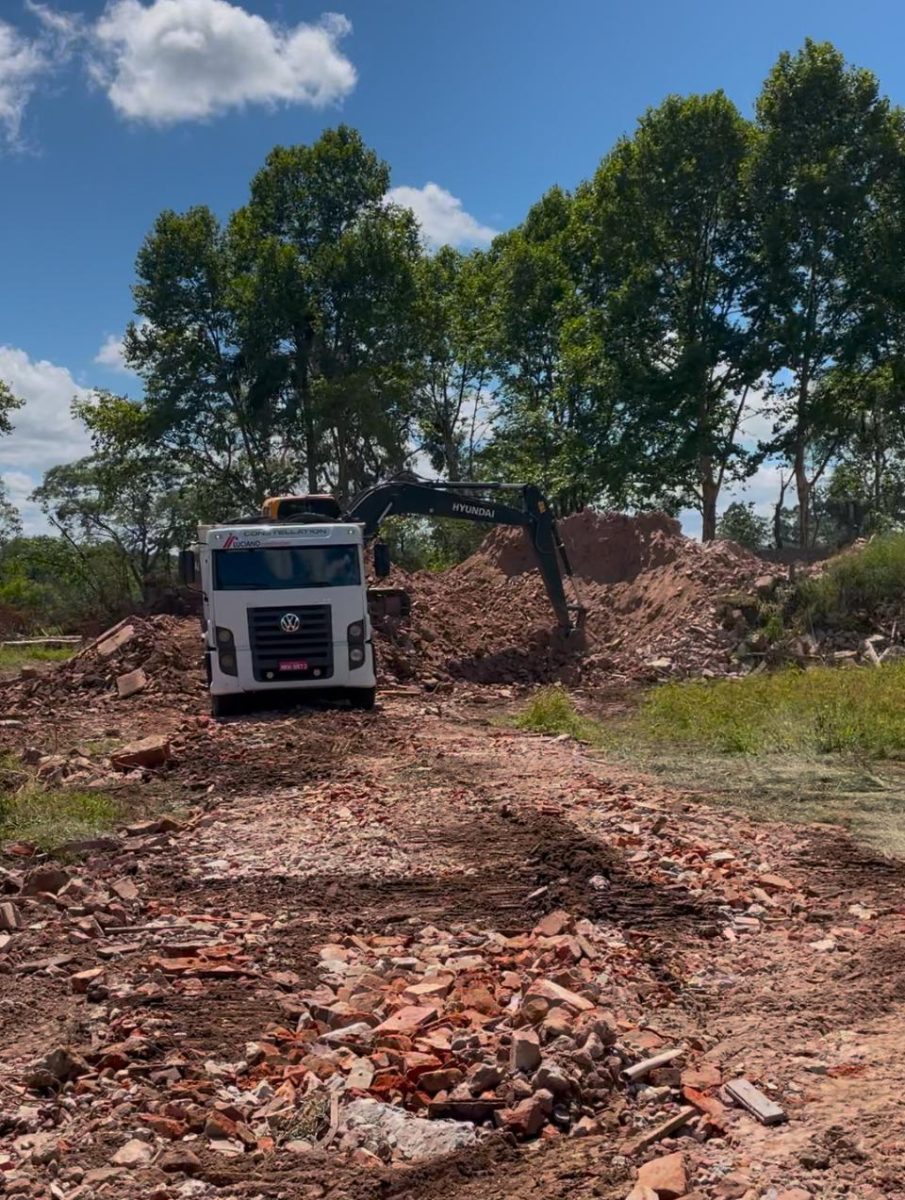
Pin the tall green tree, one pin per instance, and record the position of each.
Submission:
(214, 382)
(552, 423)
(669, 260)
(454, 338)
(280, 347)
(823, 157)
(332, 268)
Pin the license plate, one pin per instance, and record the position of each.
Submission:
(293, 664)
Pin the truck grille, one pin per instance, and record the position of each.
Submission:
(281, 652)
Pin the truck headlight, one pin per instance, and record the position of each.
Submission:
(356, 631)
(226, 651)
(356, 655)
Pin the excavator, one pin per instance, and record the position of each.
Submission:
(407, 495)
(285, 596)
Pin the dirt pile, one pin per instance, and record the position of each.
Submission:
(652, 598)
(147, 656)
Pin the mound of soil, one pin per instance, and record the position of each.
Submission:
(651, 597)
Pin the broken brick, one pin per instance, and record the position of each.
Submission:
(408, 1019)
(131, 683)
(665, 1176)
(147, 752)
(528, 1118)
(47, 878)
(116, 641)
(553, 923)
(82, 980)
(524, 1052)
(556, 995)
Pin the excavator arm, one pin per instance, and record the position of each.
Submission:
(427, 498)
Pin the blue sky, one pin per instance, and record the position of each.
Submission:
(478, 105)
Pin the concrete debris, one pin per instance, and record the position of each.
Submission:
(386, 1130)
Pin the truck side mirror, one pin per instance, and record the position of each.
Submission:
(381, 560)
(187, 567)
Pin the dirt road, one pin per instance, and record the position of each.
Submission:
(424, 910)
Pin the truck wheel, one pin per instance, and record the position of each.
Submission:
(363, 698)
(225, 706)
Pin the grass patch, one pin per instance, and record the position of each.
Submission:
(551, 710)
(857, 712)
(13, 657)
(822, 745)
(855, 584)
(49, 817)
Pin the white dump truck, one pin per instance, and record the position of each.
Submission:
(285, 606)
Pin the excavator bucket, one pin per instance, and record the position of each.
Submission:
(388, 602)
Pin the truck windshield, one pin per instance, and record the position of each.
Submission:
(286, 567)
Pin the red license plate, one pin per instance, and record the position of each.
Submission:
(293, 664)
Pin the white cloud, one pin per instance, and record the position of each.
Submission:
(111, 353)
(44, 430)
(24, 61)
(441, 216)
(179, 60)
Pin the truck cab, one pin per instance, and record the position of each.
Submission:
(285, 608)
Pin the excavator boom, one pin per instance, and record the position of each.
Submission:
(464, 501)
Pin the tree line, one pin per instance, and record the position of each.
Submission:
(724, 291)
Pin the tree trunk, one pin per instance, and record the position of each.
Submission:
(303, 340)
(710, 492)
(803, 490)
(451, 454)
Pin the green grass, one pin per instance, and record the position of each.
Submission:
(824, 745)
(857, 712)
(855, 584)
(50, 817)
(13, 657)
(552, 711)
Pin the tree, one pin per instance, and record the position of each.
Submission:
(668, 268)
(128, 492)
(740, 523)
(10, 520)
(49, 582)
(213, 383)
(332, 267)
(866, 491)
(551, 425)
(823, 157)
(280, 347)
(452, 315)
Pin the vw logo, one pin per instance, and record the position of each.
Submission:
(290, 623)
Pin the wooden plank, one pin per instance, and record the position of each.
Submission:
(45, 641)
(103, 637)
(639, 1070)
(753, 1099)
(650, 1136)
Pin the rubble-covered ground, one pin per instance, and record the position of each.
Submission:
(414, 953)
